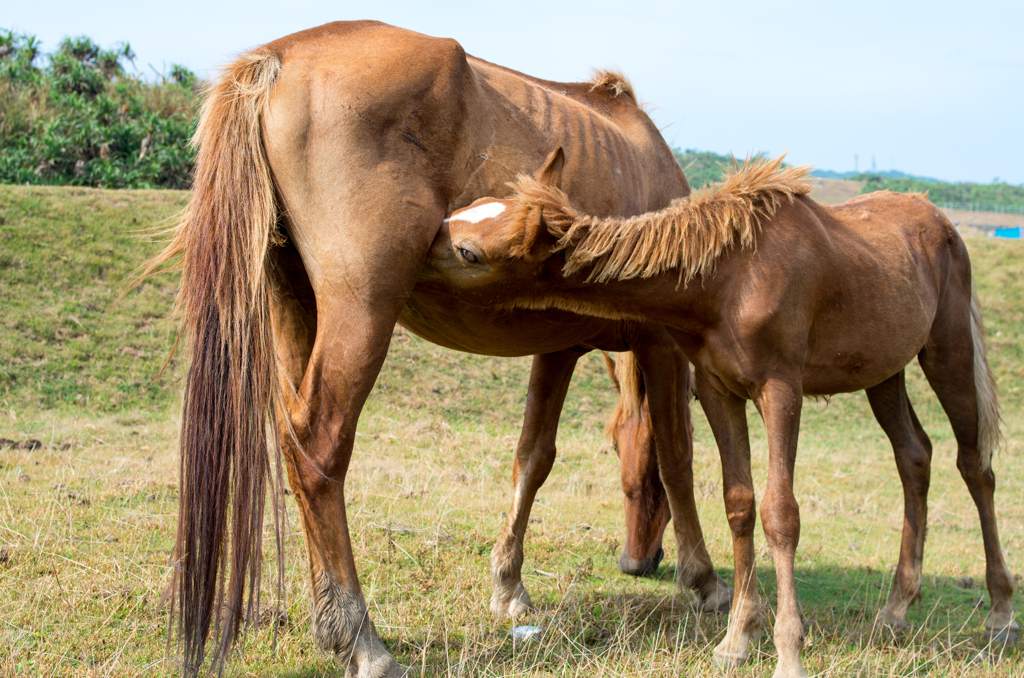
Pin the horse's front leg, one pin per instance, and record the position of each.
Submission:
(779, 401)
(727, 416)
(667, 376)
(549, 382)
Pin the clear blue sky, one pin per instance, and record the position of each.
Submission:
(931, 88)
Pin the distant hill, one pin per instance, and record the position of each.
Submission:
(860, 176)
(706, 167)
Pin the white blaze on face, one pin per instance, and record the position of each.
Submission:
(486, 211)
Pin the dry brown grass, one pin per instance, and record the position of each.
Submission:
(87, 520)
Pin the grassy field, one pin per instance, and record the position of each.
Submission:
(88, 495)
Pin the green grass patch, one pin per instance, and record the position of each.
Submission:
(87, 517)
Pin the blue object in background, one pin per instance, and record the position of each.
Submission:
(1008, 232)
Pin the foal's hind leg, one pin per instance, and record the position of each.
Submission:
(948, 360)
(549, 382)
(913, 451)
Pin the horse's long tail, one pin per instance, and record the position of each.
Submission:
(221, 247)
(989, 435)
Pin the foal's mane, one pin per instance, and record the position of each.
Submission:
(690, 234)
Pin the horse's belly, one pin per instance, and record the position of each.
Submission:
(503, 333)
(848, 357)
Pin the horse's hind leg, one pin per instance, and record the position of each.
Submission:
(357, 301)
(913, 451)
(949, 362)
(535, 454)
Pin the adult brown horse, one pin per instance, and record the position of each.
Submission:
(326, 164)
(829, 300)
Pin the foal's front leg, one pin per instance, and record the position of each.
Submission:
(780, 401)
(549, 382)
(727, 416)
(667, 375)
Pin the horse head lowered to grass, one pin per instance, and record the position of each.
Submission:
(772, 297)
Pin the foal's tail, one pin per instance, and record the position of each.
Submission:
(989, 435)
(221, 247)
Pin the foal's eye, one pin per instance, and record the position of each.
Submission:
(467, 255)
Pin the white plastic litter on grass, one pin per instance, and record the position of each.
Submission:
(526, 633)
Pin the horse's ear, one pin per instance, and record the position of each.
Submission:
(551, 173)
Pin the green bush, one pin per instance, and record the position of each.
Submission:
(705, 167)
(80, 119)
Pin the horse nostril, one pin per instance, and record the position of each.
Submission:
(642, 567)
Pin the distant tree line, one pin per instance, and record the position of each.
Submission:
(706, 167)
(996, 193)
(702, 167)
(77, 117)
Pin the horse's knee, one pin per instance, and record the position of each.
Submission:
(780, 517)
(740, 509)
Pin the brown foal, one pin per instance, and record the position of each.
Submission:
(772, 297)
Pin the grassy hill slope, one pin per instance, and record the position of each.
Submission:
(87, 519)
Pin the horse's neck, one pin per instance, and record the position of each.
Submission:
(662, 298)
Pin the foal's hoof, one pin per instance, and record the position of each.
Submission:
(729, 660)
(889, 625)
(731, 655)
(389, 669)
(504, 604)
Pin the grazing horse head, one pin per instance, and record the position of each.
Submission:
(644, 500)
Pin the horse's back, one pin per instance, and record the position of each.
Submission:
(420, 101)
(905, 223)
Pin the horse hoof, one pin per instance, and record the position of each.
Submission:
(387, 669)
(1008, 635)
(728, 660)
(514, 605)
(889, 625)
(719, 601)
(793, 670)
